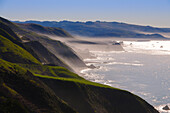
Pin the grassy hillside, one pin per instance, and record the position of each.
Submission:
(27, 86)
(59, 49)
(23, 34)
(14, 53)
(7, 32)
(97, 98)
(43, 54)
(94, 97)
(52, 71)
(10, 32)
(22, 92)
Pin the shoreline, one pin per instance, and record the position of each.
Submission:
(85, 74)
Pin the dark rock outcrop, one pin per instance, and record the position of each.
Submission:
(166, 108)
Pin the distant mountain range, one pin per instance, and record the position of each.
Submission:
(105, 29)
(45, 30)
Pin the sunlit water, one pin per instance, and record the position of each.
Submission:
(143, 69)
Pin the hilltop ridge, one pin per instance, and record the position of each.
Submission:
(106, 29)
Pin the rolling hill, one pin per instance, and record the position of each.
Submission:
(45, 30)
(105, 29)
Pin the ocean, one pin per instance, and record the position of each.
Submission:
(143, 69)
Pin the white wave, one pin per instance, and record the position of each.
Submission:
(103, 68)
(106, 52)
(100, 59)
(123, 63)
(160, 108)
(111, 81)
(85, 70)
(149, 47)
(105, 83)
(106, 59)
(87, 74)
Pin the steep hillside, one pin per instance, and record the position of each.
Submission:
(64, 52)
(22, 92)
(60, 50)
(7, 32)
(45, 30)
(44, 55)
(60, 94)
(10, 32)
(27, 86)
(49, 94)
(86, 97)
(105, 29)
(14, 53)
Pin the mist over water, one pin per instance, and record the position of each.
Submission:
(143, 69)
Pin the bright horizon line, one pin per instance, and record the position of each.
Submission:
(59, 20)
(139, 12)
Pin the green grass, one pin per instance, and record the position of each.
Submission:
(11, 67)
(17, 80)
(13, 92)
(8, 32)
(14, 53)
(7, 35)
(62, 72)
(78, 81)
(55, 71)
(21, 74)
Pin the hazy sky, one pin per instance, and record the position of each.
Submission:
(144, 12)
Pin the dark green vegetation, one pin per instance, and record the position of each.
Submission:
(28, 86)
(106, 29)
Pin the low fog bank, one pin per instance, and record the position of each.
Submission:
(133, 46)
(83, 45)
(167, 35)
